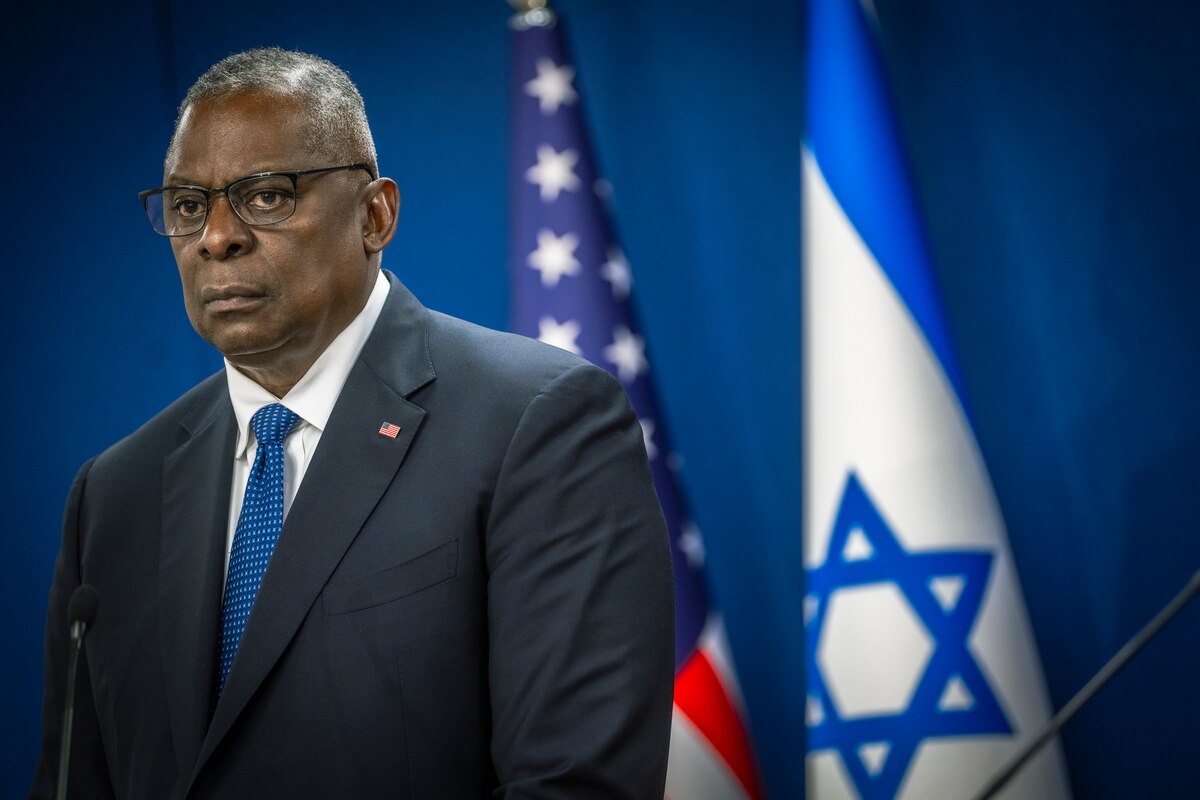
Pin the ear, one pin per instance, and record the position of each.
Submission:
(381, 202)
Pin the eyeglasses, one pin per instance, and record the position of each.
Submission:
(262, 199)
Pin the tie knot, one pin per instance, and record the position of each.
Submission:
(273, 423)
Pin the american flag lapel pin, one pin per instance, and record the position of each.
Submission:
(389, 430)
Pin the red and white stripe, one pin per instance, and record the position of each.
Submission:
(710, 749)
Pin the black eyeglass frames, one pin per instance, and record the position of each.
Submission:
(262, 199)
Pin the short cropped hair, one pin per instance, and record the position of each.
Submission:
(338, 128)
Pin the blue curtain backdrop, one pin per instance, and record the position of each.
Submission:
(1055, 152)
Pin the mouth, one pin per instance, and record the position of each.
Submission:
(232, 298)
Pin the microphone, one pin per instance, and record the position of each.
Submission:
(1131, 648)
(81, 612)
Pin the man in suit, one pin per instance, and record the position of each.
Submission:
(463, 584)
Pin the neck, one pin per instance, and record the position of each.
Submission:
(276, 384)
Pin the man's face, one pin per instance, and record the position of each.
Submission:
(270, 297)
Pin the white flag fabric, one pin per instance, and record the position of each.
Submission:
(923, 672)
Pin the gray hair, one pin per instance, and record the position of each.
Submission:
(338, 117)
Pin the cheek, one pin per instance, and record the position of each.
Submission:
(187, 282)
(320, 271)
(177, 250)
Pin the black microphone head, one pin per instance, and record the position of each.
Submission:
(84, 602)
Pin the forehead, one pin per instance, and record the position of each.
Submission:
(222, 139)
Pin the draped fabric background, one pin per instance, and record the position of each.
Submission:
(1054, 147)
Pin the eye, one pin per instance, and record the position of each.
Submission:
(268, 195)
(268, 199)
(188, 206)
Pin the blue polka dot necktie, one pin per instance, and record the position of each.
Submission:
(258, 529)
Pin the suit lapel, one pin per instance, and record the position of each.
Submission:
(195, 519)
(352, 468)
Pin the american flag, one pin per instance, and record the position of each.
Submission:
(571, 287)
(389, 429)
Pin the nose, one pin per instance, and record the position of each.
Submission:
(225, 234)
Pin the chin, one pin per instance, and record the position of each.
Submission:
(236, 340)
(253, 353)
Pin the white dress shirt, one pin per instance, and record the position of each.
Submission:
(312, 399)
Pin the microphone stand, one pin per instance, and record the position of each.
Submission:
(69, 709)
(1014, 764)
(81, 612)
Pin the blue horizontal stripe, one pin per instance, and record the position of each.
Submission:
(854, 136)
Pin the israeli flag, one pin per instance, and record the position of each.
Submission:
(923, 675)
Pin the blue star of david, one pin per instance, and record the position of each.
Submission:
(926, 716)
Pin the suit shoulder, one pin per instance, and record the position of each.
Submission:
(499, 361)
(168, 428)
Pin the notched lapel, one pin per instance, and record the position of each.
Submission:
(195, 520)
(352, 468)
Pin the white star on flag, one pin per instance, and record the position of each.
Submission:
(616, 271)
(627, 353)
(553, 171)
(692, 545)
(648, 427)
(552, 86)
(562, 336)
(555, 256)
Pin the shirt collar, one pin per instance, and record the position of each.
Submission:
(314, 396)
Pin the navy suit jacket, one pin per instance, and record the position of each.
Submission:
(479, 606)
